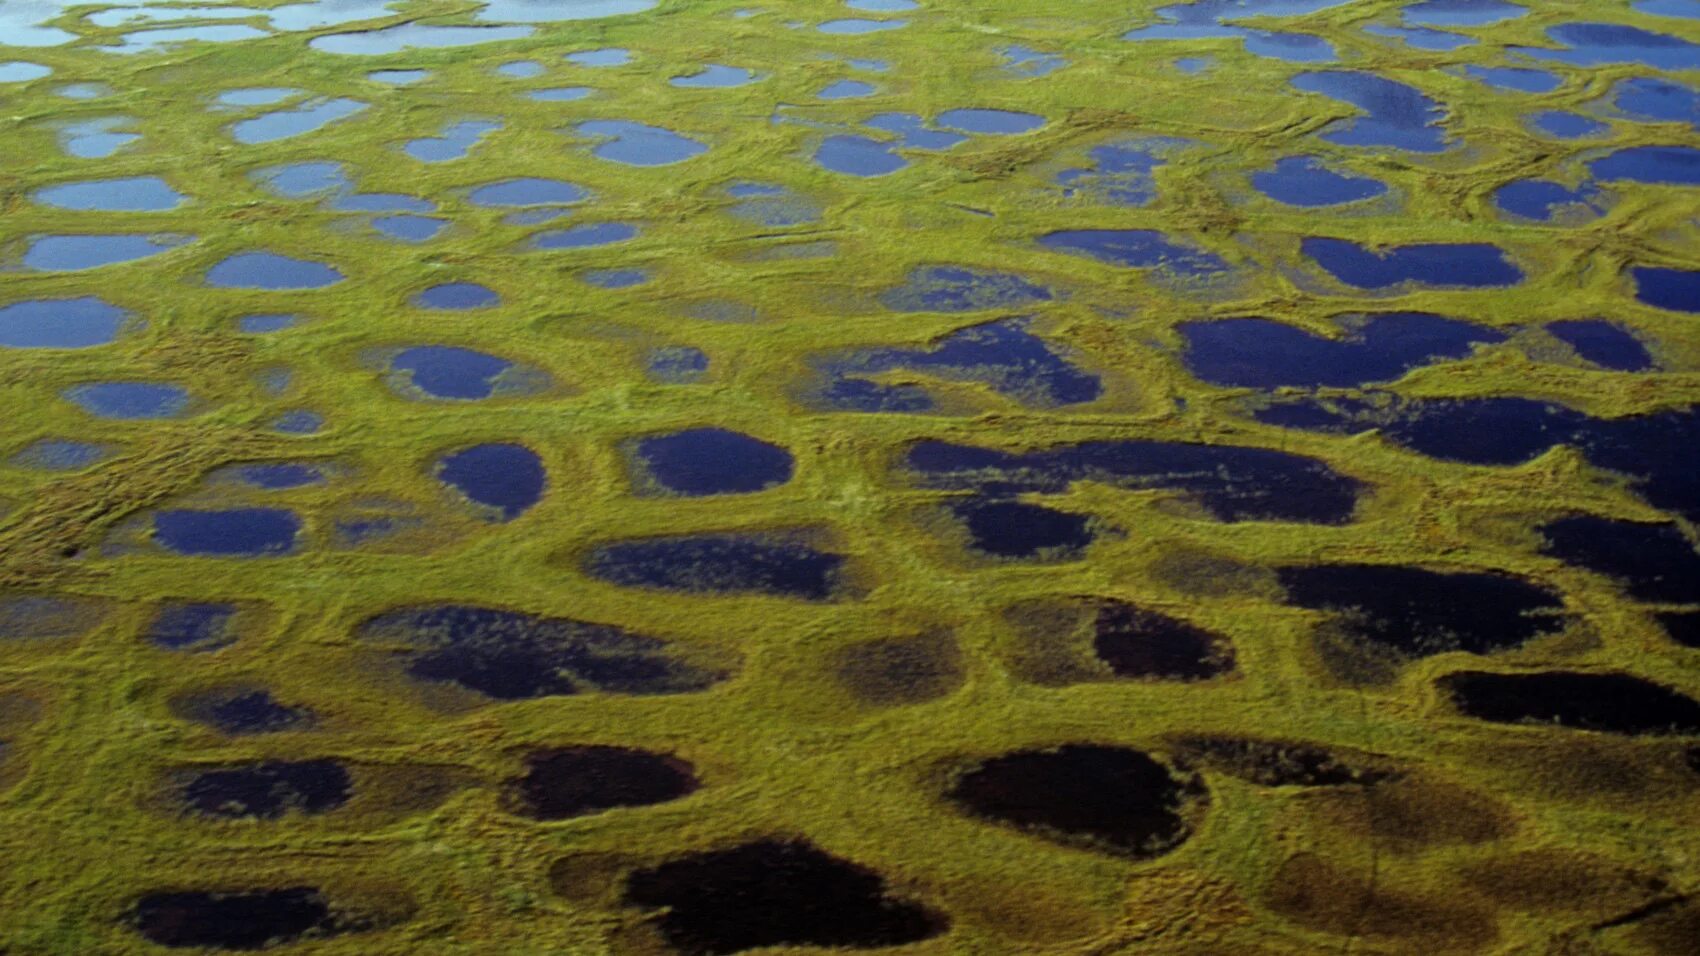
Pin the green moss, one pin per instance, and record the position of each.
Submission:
(784, 748)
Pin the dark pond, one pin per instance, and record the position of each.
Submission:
(231, 532)
(776, 893)
(1139, 643)
(1654, 562)
(1683, 628)
(1655, 100)
(1018, 529)
(573, 781)
(1269, 763)
(1675, 289)
(232, 920)
(193, 626)
(1563, 124)
(1603, 343)
(504, 476)
(510, 655)
(1661, 165)
(268, 789)
(1106, 798)
(1231, 483)
(722, 564)
(1543, 201)
(858, 156)
(1440, 265)
(1004, 355)
(1598, 44)
(1416, 612)
(1262, 353)
(1605, 702)
(448, 372)
(243, 710)
(711, 461)
(279, 476)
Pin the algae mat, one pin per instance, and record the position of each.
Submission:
(646, 476)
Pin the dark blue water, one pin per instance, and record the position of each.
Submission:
(1561, 124)
(1675, 289)
(1231, 483)
(1121, 174)
(1599, 44)
(914, 132)
(1667, 165)
(268, 789)
(1461, 13)
(1646, 98)
(711, 461)
(443, 371)
(1603, 343)
(241, 711)
(279, 477)
(1004, 355)
(1422, 38)
(232, 532)
(507, 477)
(720, 564)
(512, 655)
(231, 920)
(1398, 115)
(60, 454)
(1463, 264)
(409, 228)
(1653, 562)
(989, 121)
(1263, 353)
(1022, 530)
(1516, 79)
(1542, 201)
(1605, 702)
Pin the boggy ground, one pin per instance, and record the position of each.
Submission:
(898, 748)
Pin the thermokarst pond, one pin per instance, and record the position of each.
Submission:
(580, 476)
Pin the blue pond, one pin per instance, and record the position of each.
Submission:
(1655, 100)
(1306, 181)
(268, 270)
(1261, 353)
(60, 323)
(1121, 173)
(73, 253)
(1563, 124)
(636, 144)
(1599, 44)
(1004, 356)
(858, 156)
(1399, 116)
(1442, 265)
(454, 142)
(989, 121)
(233, 532)
(1666, 165)
(279, 476)
(129, 400)
(677, 364)
(585, 235)
(1675, 289)
(528, 192)
(1516, 79)
(711, 461)
(506, 477)
(131, 194)
(442, 371)
(285, 124)
(1544, 201)
(457, 297)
